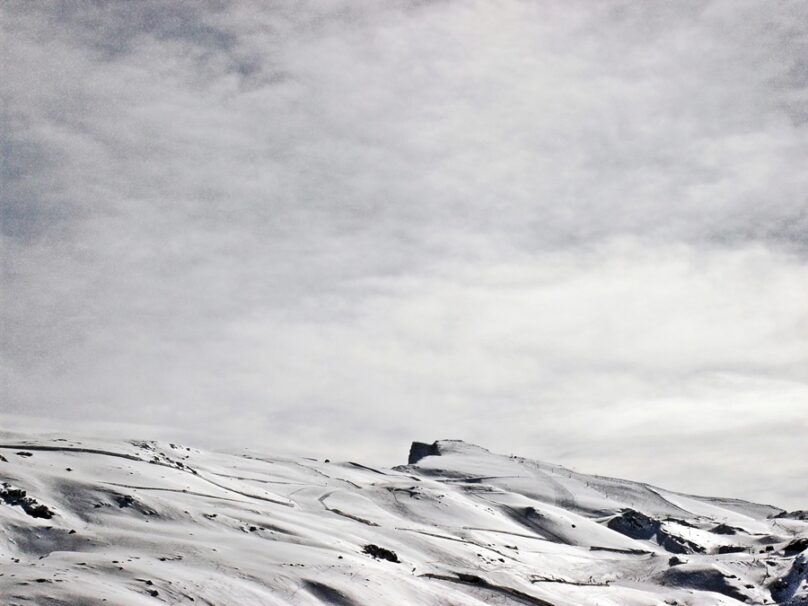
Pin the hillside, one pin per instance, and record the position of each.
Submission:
(141, 523)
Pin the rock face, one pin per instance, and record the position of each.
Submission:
(800, 514)
(792, 588)
(143, 524)
(419, 450)
(705, 578)
(19, 498)
(635, 524)
(381, 553)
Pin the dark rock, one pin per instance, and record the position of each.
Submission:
(419, 450)
(681, 522)
(637, 525)
(472, 579)
(634, 524)
(676, 544)
(705, 579)
(124, 500)
(380, 553)
(725, 529)
(783, 589)
(800, 514)
(731, 549)
(19, 498)
(796, 546)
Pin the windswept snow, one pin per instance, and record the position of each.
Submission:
(142, 523)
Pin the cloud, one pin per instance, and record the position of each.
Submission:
(569, 231)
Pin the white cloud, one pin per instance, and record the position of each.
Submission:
(562, 230)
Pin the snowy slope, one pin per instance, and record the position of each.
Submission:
(141, 523)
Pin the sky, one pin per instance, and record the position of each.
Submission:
(574, 231)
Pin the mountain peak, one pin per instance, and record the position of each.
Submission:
(420, 450)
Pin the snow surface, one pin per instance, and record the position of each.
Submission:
(143, 523)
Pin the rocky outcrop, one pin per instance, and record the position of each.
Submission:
(637, 525)
(16, 497)
(634, 524)
(419, 450)
(792, 588)
(706, 578)
(800, 514)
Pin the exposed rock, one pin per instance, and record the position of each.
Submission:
(380, 553)
(124, 500)
(705, 578)
(634, 524)
(796, 546)
(419, 450)
(19, 498)
(725, 529)
(799, 514)
(637, 525)
(793, 586)
(676, 544)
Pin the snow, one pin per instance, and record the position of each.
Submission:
(144, 523)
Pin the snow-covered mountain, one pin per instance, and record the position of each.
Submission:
(143, 523)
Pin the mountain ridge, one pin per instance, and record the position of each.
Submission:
(146, 523)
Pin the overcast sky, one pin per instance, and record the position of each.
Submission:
(576, 231)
